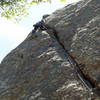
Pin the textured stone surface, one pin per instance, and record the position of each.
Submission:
(78, 27)
(38, 68)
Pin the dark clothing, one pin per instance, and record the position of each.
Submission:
(39, 25)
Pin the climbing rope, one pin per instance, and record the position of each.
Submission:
(79, 73)
(75, 65)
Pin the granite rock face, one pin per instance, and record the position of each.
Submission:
(78, 27)
(38, 69)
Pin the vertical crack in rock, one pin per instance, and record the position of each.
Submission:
(90, 86)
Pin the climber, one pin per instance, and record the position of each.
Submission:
(40, 25)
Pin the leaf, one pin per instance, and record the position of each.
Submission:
(63, 0)
(33, 2)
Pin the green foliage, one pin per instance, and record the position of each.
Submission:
(63, 0)
(16, 9)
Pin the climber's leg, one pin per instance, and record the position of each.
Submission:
(34, 30)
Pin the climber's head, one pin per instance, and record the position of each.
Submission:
(45, 16)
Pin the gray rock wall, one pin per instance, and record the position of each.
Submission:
(38, 68)
(78, 27)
